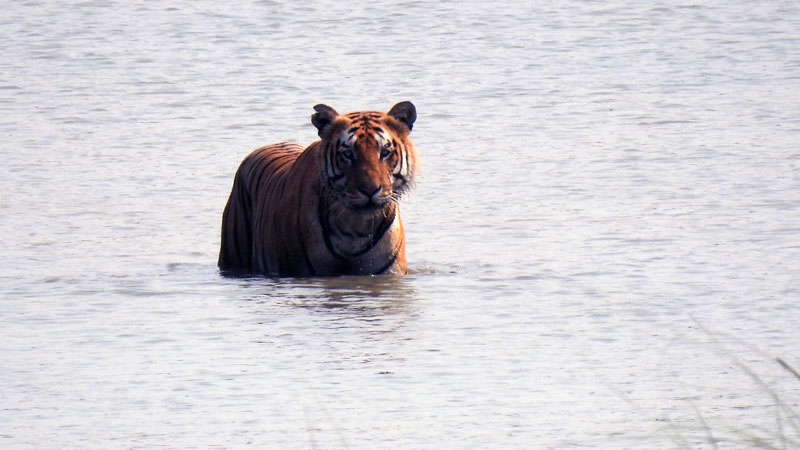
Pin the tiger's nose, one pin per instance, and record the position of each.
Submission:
(369, 190)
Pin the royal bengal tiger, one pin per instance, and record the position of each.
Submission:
(329, 209)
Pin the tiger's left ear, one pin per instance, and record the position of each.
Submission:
(324, 116)
(404, 112)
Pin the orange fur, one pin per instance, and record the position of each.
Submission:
(328, 209)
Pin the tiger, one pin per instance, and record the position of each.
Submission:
(329, 209)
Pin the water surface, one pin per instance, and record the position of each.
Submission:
(603, 241)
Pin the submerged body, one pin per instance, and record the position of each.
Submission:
(328, 209)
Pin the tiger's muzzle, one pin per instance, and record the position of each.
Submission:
(369, 197)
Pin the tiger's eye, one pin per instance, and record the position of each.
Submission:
(386, 151)
(346, 152)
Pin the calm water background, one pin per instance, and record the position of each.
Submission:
(605, 239)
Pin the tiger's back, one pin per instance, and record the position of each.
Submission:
(328, 209)
(261, 175)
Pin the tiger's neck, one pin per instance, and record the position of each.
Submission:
(350, 234)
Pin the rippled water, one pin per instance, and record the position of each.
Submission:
(604, 241)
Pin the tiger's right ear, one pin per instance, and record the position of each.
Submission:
(323, 117)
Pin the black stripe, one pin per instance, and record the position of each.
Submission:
(326, 230)
(389, 264)
(400, 152)
(330, 158)
(310, 266)
(283, 161)
(311, 270)
(267, 164)
(263, 262)
(379, 234)
(384, 227)
(284, 268)
(244, 242)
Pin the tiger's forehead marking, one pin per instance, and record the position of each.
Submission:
(364, 117)
(362, 125)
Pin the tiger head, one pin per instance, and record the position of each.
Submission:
(369, 161)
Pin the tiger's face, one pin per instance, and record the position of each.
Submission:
(368, 158)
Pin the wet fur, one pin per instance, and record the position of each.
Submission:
(297, 211)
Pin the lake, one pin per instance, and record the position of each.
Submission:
(604, 240)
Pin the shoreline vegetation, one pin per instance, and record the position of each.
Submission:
(704, 430)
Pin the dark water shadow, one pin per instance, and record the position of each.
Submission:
(361, 297)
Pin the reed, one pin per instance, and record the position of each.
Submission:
(705, 431)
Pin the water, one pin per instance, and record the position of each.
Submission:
(603, 243)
